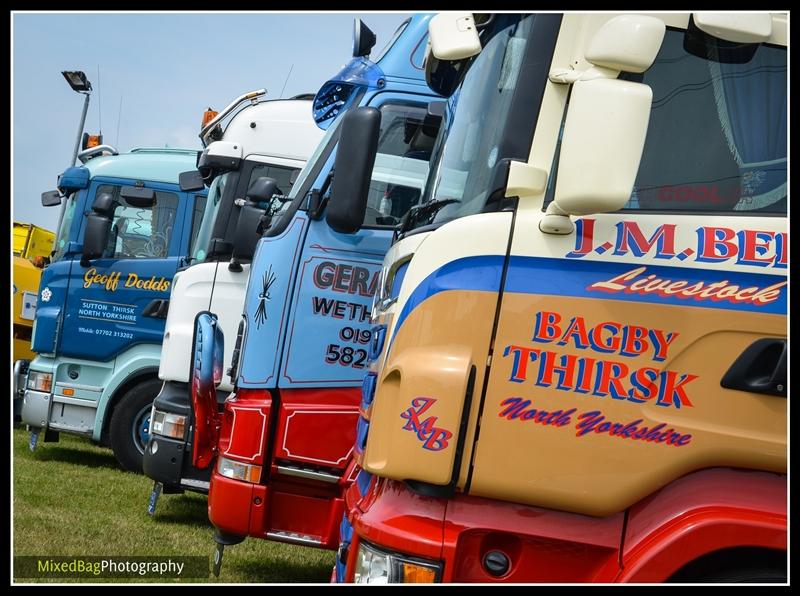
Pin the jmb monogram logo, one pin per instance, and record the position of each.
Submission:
(432, 437)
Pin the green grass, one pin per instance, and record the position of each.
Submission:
(71, 499)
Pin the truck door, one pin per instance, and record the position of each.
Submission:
(327, 331)
(113, 303)
(651, 342)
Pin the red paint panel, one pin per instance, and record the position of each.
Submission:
(700, 513)
(307, 515)
(245, 426)
(317, 427)
(543, 545)
(229, 504)
(395, 518)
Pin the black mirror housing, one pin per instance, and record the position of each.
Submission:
(95, 237)
(262, 189)
(363, 39)
(104, 204)
(355, 158)
(191, 180)
(246, 237)
(51, 198)
(135, 196)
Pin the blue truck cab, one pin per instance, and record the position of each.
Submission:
(281, 450)
(126, 229)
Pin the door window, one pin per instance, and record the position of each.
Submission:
(140, 232)
(405, 141)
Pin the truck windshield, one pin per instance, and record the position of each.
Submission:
(63, 232)
(212, 208)
(467, 149)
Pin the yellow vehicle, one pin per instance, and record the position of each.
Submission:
(32, 247)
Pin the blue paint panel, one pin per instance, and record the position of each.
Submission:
(102, 319)
(480, 273)
(55, 278)
(399, 276)
(558, 277)
(330, 319)
(536, 275)
(403, 59)
(267, 302)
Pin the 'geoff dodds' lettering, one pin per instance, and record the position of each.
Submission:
(111, 281)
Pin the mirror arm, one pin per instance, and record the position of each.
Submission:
(567, 76)
(556, 221)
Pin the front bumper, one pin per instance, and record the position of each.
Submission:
(168, 460)
(35, 410)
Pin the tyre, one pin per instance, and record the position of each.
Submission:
(129, 429)
(763, 575)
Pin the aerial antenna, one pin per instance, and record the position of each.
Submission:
(99, 102)
(287, 80)
(119, 118)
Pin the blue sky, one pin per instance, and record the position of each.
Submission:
(167, 68)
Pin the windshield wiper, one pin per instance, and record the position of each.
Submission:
(428, 209)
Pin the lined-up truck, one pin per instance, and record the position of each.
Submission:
(258, 154)
(281, 451)
(579, 350)
(31, 252)
(127, 227)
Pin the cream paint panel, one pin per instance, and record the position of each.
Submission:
(529, 240)
(599, 474)
(482, 234)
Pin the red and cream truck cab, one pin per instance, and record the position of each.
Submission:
(580, 337)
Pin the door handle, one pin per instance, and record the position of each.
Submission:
(761, 368)
(157, 309)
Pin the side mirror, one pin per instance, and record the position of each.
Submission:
(104, 204)
(98, 227)
(51, 198)
(95, 238)
(453, 36)
(602, 145)
(363, 39)
(262, 189)
(355, 158)
(191, 180)
(246, 236)
(143, 198)
(205, 374)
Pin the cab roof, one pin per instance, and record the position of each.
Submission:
(151, 164)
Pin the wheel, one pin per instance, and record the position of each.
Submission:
(129, 429)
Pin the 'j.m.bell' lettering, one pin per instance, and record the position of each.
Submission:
(599, 376)
(432, 437)
(347, 279)
(711, 244)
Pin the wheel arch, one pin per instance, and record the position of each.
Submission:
(138, 376)
(711, 513)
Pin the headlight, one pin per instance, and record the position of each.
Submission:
(40, 381)
(168, 425)
(238, 471)
(377, 567)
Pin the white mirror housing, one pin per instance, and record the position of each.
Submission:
(453, 36)
(733, 27)
(627, 43)
(602, 145)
